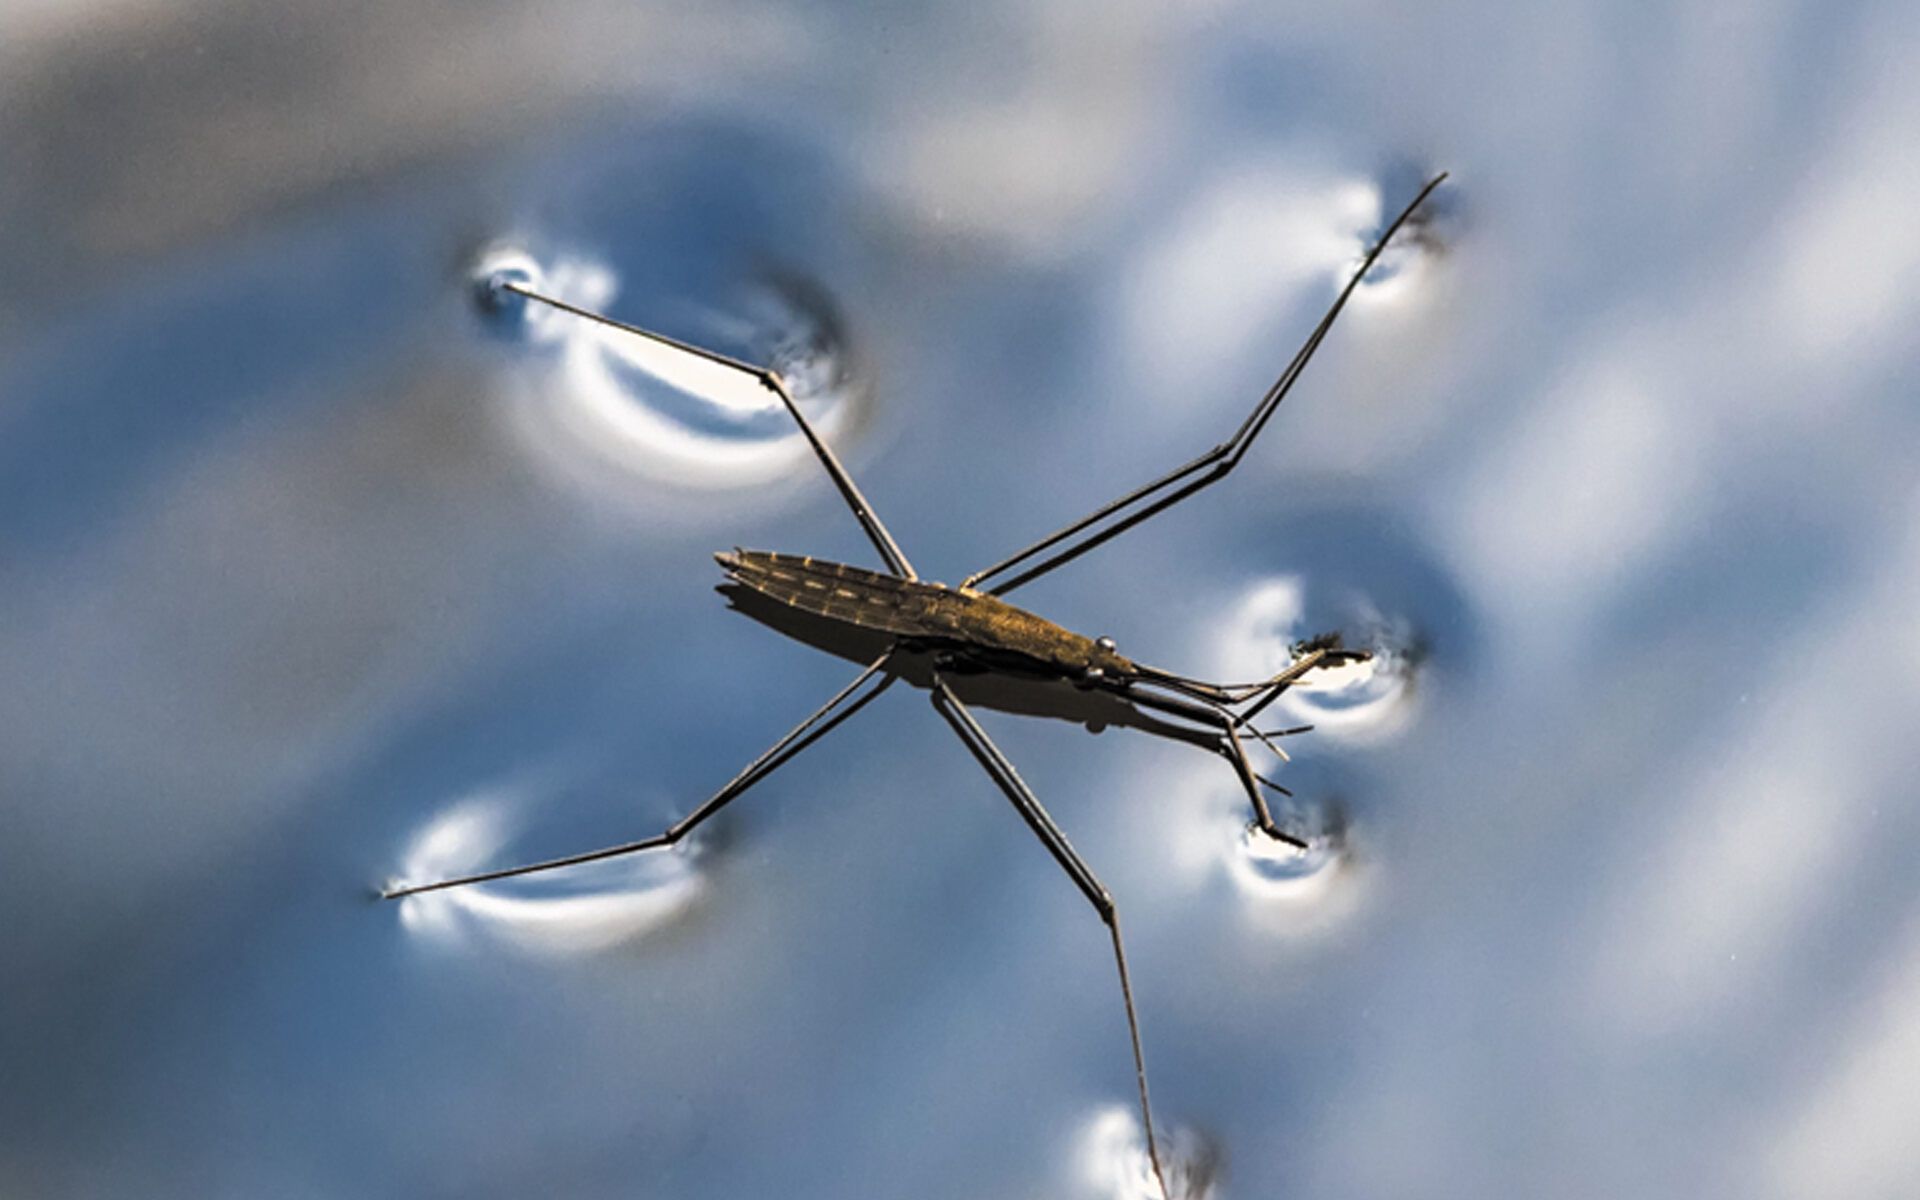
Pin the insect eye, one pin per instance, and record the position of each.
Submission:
(1107, 644)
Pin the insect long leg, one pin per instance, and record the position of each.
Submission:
(1175, 486)
(1002, 770)
(774, 382)
(843, 705)
(882, 540)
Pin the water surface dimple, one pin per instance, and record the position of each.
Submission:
(1281, 885)
(572, 910)
(1268, 869)
(604, 404)
(1395, 278)
(1356, 701)
(1283, 889)
(1114, 1163)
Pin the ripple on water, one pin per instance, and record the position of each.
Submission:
(1398, 274)
(1113, 1159)
(1288, 891)
(1360, 701)
(575, 910)
(1270, 869)
(1283, 890)
(603, 404)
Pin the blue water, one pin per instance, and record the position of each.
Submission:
(317, 573)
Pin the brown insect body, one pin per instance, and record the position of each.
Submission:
(962, 619)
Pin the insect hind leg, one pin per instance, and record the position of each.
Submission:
(1002, 771)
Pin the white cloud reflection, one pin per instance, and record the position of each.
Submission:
(1852, 1133)
(1241, 250)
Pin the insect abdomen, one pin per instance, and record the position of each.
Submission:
(910, 608)
(851, 594)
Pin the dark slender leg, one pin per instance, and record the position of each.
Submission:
(1207, 468)
(1238, 693)
(1318, 656)
(1244, 769)
(1002, 770)
(771, 380)
(1235, 752)
(799, 738)
(889, 549)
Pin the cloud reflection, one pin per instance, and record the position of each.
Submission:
(1851, 1134)
(1242, 250)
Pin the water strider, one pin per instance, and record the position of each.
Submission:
(938, 633)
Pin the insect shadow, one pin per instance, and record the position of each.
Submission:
(1005, 691)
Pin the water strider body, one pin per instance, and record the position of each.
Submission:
(970, 629)
(969, 625)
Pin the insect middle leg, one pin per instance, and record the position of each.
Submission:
(1176, 485)
(1001, 768)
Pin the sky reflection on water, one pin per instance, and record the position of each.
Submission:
(314, 575)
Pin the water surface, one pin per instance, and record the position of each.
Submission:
(317, 573)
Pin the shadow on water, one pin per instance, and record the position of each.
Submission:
(1001, 691)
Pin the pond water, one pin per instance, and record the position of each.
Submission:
(322, 567)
